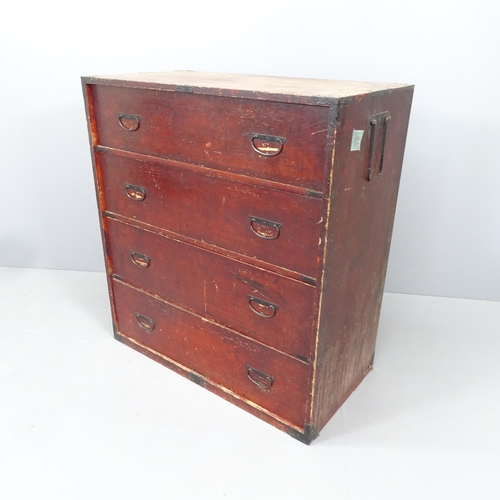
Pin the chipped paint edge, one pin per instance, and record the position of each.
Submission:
(327, 224)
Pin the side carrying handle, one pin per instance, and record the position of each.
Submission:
(260, 379)
(130, 123)
(144, 322)
(267, 145)
(378, 135)
(264, 309)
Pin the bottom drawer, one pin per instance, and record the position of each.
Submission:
(252, 371)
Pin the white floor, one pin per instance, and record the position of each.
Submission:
(84, 417)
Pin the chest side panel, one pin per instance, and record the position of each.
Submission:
(358, 240)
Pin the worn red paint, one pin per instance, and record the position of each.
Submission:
(258, 277)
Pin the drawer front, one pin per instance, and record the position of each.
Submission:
(275, 310)
(218, 132)
(271, 380)
(216, 211)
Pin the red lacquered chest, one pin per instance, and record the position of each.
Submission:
(246, 224)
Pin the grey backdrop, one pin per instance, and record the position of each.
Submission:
(447, 233)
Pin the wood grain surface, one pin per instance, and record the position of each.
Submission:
(216, 132)
(218, 288)
(173, 196)
(216, 354)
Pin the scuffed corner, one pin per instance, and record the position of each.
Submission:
(197, 378)
(307, 437)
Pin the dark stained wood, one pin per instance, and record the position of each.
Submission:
(359, 235)
(216, 132)
(171, 194)
(175, 196)
(267, 266)
(247, 405)
(211, 172)
(216, 287)
(215, 353)
(99, 188)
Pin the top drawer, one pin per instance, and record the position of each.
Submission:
(271, 140)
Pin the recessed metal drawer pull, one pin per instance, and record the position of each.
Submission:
(263, 228)
(268, 309)
(269, 145)
(139, 259)
(260, 379)
(130, 123)
(144, 322)
(135, 193)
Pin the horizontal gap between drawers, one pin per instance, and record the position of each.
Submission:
(211, 172)
(229, 254)
(205, 319)
(214, 384)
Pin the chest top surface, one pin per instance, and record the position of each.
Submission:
(244, 85)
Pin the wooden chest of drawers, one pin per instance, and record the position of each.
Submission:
(246, 225)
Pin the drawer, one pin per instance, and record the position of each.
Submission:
(275, 310)
(219, 132)
(220, 212)
(271, 380)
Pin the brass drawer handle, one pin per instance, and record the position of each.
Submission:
(135, 193)
(263, 228)
(268, 309)
(139, 259)
(130, 123)
(144, 322)
(270, 145)
(260, 379)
